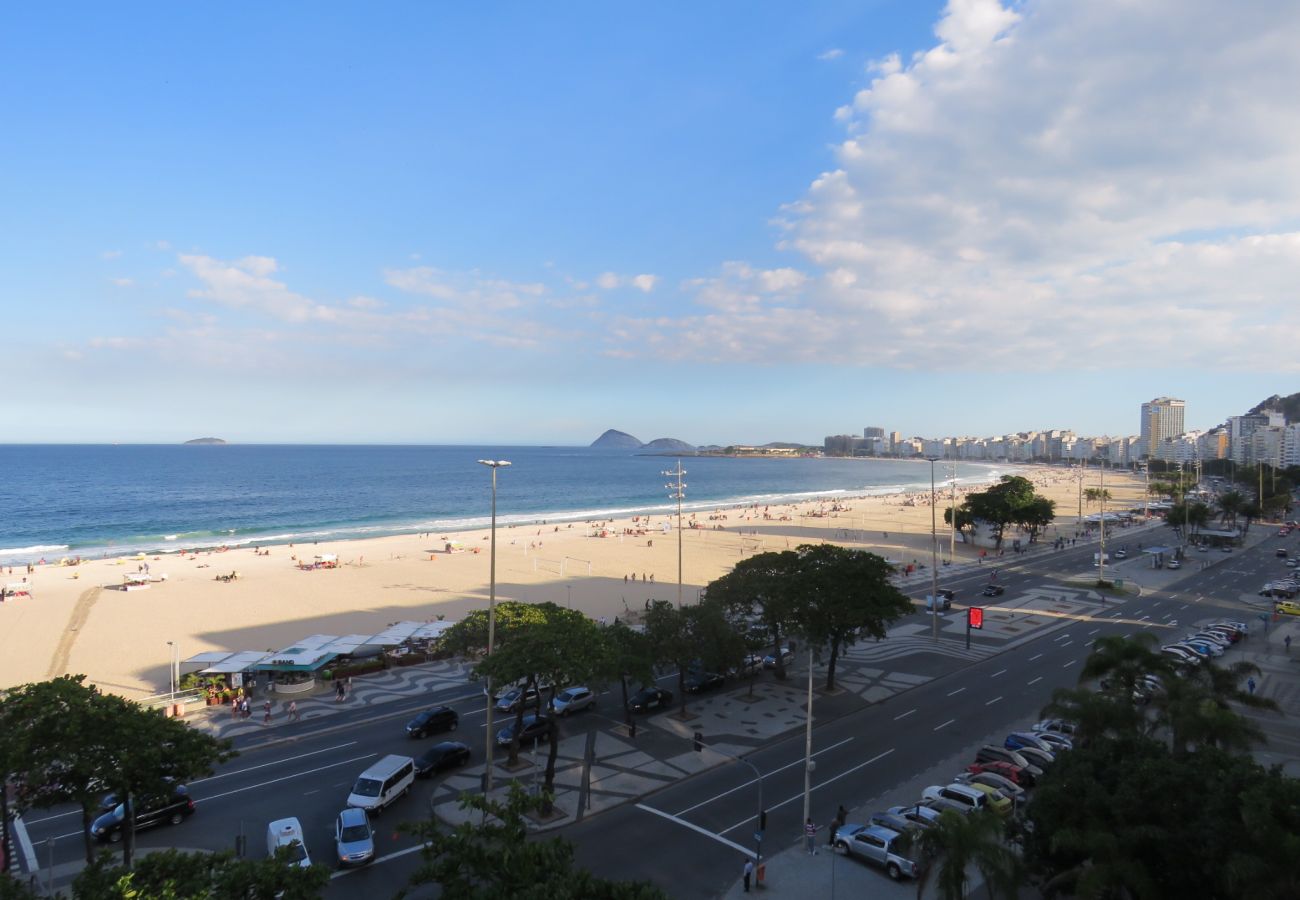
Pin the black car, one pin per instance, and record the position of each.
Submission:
(649, 698)
(535, 728)
(108, 827)
(442, 755)
(434, 719)
(698, 682)
(994, 590)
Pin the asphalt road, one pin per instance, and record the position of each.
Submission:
(688, 837)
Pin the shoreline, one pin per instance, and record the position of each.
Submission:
(78, 620)
(212, 540)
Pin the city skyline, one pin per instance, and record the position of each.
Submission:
(720, 224)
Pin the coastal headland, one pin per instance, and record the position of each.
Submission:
(79, 620)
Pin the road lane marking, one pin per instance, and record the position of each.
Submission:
(1036, 680)
(797, 762)
(815, 787)
(994, 700)
(956, 692)
(998, 672)
(1035, 656)
(904, 715)
(1094, 631)
(944, 725)
(77, 812)
(1070, 663)
(1066, 644)
(704, 831)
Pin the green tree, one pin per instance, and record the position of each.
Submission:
(1230, 504)
(960, 841)
(1011, 501)
(1193, 516)
(1198, 710)
(692, 636)
(200, 876)
(629, 656)
(1121, 661)
(844, 595)
(965, 520)
(491, 855)
(764, 586)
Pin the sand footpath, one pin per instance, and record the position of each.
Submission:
(79, 620)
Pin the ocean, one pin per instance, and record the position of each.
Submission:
(96, 500)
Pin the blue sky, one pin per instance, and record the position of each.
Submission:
(721, 222)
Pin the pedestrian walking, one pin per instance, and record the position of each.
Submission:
(749, 871)
(338, 692)
(1250, 685)
(266, 720)
(234, 709)
(293, 710)
(841, 817)
(1287, 640)
(810, 836)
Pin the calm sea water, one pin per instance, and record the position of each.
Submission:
(90, 500)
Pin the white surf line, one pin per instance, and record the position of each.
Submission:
(1036, 680)
(25, 843)
(998, 672)
(704, 831)
(994, 700)
(904, 715)
(797, 762)
(1035, 656)
(944, 725)
(815, 787)
(276, 762)
(956, 692)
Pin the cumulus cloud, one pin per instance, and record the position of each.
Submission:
(609, 281)
(833, 53)
(1052, 184)
(248, 284)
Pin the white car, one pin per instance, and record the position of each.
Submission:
(288, 833)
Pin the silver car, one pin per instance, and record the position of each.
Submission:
(353, 839)
(572, 700)
(888, 849)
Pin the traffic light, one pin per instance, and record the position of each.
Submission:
(699, 741)
(975, 615)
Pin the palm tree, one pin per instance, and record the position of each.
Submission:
(1230, 504)
(1095, 495)
(1197, 708)
(966, 840)
(1096, 715)
(1122, 660)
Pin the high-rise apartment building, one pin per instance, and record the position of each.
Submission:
(873, 432)
(1161, 418)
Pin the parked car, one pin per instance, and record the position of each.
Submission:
(993, 780)
(939, 804)
(434, 719)
(751, 664)
(534, 728)
(891, 850)
(787, 656)
(994, 798)
(1060, 726)
(649, 698)
(442, 755)
(892, 822)
(1035, 757)
(1013, 773)
(989, 753)
(572, 700)
(288, 833)
(993, 590)
(354, 841)
(945, 600)
(1018, 739)
(1173, 564)
(1281, 551)
(1055, 741)
(107, 828)
(1121, 554)
(698, 682)
(965, 794)
(922, 816)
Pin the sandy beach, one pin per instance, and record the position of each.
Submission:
(78, 620)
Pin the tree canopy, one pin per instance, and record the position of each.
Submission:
(1010, 502)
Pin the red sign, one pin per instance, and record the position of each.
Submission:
(975, 616)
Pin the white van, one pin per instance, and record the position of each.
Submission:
(288, 833)
(383, 783)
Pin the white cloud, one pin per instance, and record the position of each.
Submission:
(833, 53)
(121, 282)
(611, 280)
(110, 254)
(1056, 184)
(247, 284)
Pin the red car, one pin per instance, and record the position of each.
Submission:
(1012, 773)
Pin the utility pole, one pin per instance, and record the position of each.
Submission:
(489, 743)
(952, 514)
(678, 492)
(808, 764)
(1101, 551)
(934, 559)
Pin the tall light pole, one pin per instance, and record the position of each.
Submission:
(171, 669)
(934, 558)
(952, 515)
(1101, 550)
(677, 491)
(808, 764)
(489, 739)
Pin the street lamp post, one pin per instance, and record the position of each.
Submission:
(677, 491)
(171, 669)
(934, 558)
(808, 764)
(489, 739)
(952, 515)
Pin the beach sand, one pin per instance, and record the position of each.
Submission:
(79, 621)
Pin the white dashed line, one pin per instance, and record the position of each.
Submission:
(945, 724)
(956, 692)
(998, 672)
(1036, 656)
(994, 700)
(904, 715)
(1070, 663)
(1036, 680)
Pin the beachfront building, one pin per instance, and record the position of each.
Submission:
(1291, 445)
(1241, 433)
(841, 445)
(1185, 448)
(1161, 418)
(1214, 444)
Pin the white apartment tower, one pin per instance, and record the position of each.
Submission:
(1161, 418)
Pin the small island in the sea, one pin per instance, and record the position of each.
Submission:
(207, 440)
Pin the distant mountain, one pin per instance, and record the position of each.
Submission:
(617, 440)
(207, 440)
(1289, 406)
(670, 445)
